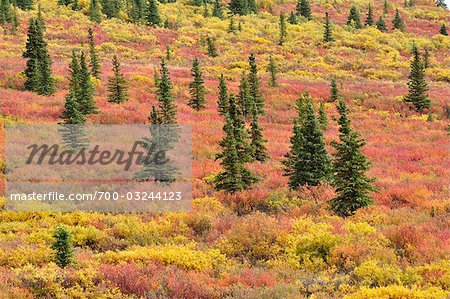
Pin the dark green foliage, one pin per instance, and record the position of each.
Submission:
(353, 18)
(292, 19)
(156, 78)
(441, 3)
(217, 9)
(259, 150)
(256, 96)
(272, 69)
(252, 7)
(240, 131)
(197, 2)
(307, 163)
(206, 13)
(323, 119)
(95, 15)
(137, 10)
(14, 19)
(417, 85)
(240, 25)
(334, 91)
(25, 4)
(397, 23)
(5, 12)
(167, 109)
(239, 7)
(168, 53)
(212, 48)
(385, 7)
(62, 245)
(304, 9)
(244, 99)
(38, 71)
(153, 17)
(197, 88)
(231, 26)
(328, 30)
(93, 63)
(71, 113)
(117, 85)
(426, 59)
(85, 95)
(443, 30)
(381, 24)
(112, 8)
(283, 30)
(222, 101)
(369, 19)
(349, 168)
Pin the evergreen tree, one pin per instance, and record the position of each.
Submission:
(349, 167)
(243, 147)
(252, 7)
(256, 96)
(38, 71)
(238, 7)
(398, 22)
(369, 19)
(304, 9)
(197, 88)
(307, 163)
(244, 100)
(231, 26)
(167, 109)
(25, 4)
(259, 150)
(5, 12)
(240, 25)
(293, 18)
(385, 7)
(94, 63)
(168, 53)
(117, 85)
(443, 30)
(323, 119)
(71, 113)
(156, 78)
(426, 59)
(272, 69)
(206, 11)
(217, 9)
(334, 91)
(167, 24)
(283, 31)
(85, 95)
(197, 2)
(137, 10)
(417, 85)
(222, 102)
(353, 18)
(212, 48)
(441, 3)
(381, 24)
(95, 15)
(63, 247)
(153, 17)
(112, 8)
(328, 30)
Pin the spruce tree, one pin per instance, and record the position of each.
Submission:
(167, 109)
(307, 163)
(334, 91)
(168, 53)
(381, 24)
(304, 9)
(243, 98)
(252, 7)
(156, 78)
(217, 9)
(95, 15)
(240, 25)
(328, 30)
(238, 7)
(443, 30)
(417, 85)
(323, 119)
(117, 85)
(212, 48)
(426, 59)
(85, 95)
(25, 4)
(293, 18)
(272, 69)
(240, 131)
(71, 113)
(63, 247)
(259, 150)
(222, 101)
(369, 19)
(397, 23)
(385, 7)
(349, 167)
(441, 3)
(197, 88)
(93, 63)
(353, 18)
(231, 26)
(153, 17)
(5, 12)
(14, 19)
(197, 2)
(256, 96)
(283, 30)
(38, 71)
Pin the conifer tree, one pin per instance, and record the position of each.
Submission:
(168, 51)
(398, 22)
(293, 18)
(63, 247)
(304, 9)
(252, 7)
(25, 4)
(85, 95)
(197, 2)
(153, 17)
(238, 7)
(443, 30)
(441, 3)
(417, 85)
(240, 25)
(426, 59)
(323, 119)
(93, 63)
(38, 71)
(307, 163)
(385, 7)
(353, 18)
(369, 19)
(259, 150)
(381, 24)
(167, 24)
(272, 69)
(197, 88)
(117, 85)
(334, 91)
(95, 15)
(212, 48)
(283, 30)
(240, 131)
(71, 113)
(156, 78)
(5, 12)
(167, 109)
(349, 168)
(328, 30)
(231, 26)
(222, 101)
(217, 9)
(206, 11)
(256, 96)
(14, 19)
(243, 98)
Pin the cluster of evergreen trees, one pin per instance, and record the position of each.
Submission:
(8, 15)
(354, 19)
